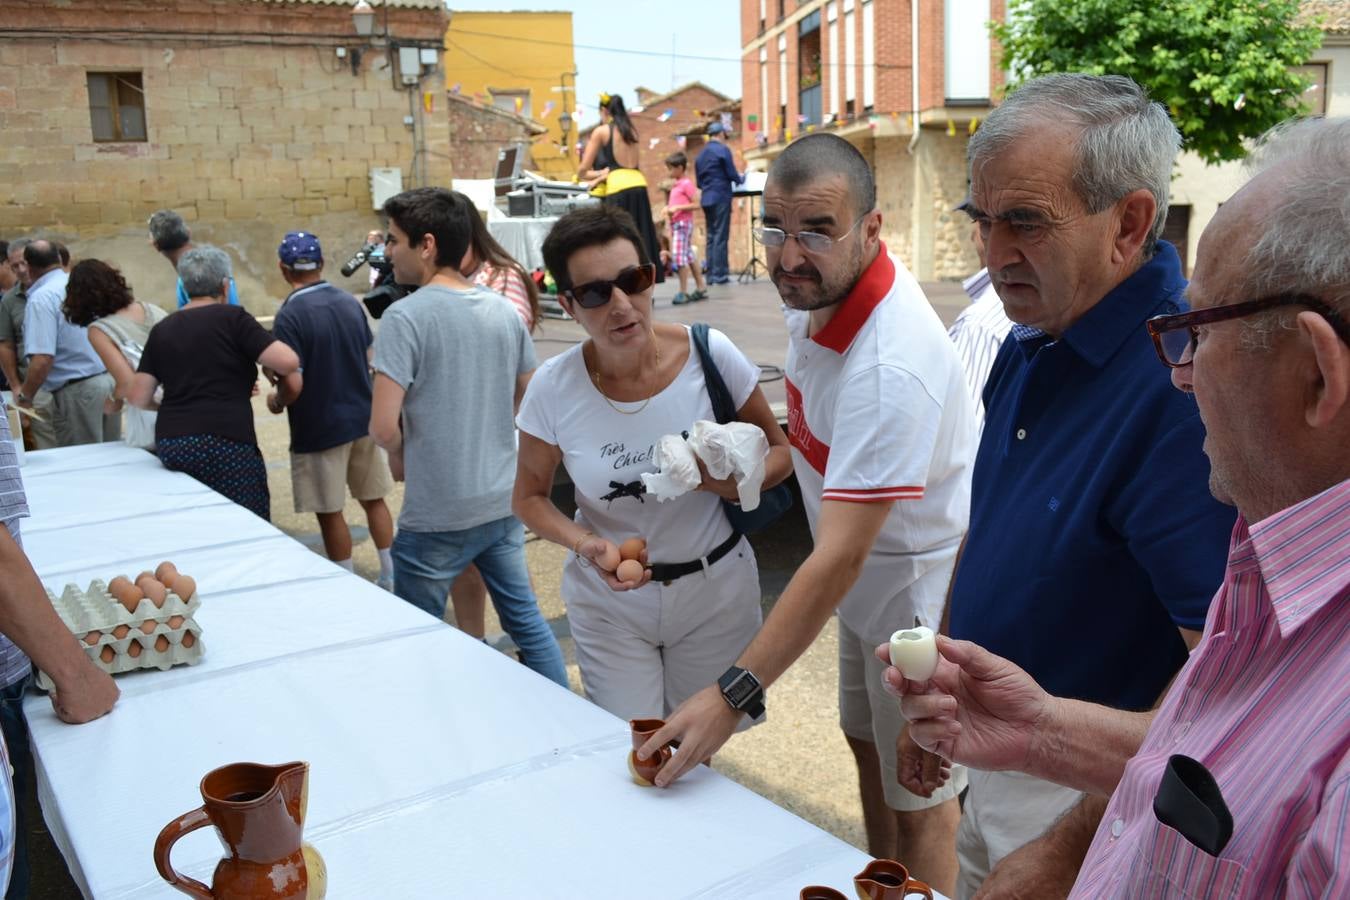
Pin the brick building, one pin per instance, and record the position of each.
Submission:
(249, 117)
(677, 120)
(479, 132)
(903, 80)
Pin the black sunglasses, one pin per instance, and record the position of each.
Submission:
(633, 280)
(1174, 335)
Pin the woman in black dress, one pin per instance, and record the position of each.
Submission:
(611, 168)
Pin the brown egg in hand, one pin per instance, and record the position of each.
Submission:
(630, 570)
(632, 548)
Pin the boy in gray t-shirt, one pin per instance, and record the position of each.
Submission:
(451, 362)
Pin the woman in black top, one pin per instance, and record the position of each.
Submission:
(206, 356)
(611, 168)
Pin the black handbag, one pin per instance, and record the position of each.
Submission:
(773, 502)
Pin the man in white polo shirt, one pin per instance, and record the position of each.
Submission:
(883, 440)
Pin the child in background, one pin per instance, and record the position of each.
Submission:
(680, 213)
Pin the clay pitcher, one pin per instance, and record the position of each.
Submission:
(644, 772)
(259, 815)
(886, 879)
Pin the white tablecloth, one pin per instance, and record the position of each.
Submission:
(439, 767)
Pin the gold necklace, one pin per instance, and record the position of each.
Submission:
(595, 376)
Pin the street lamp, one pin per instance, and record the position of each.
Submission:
(363, 17)
(565, 123)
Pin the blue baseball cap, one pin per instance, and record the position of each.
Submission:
(300, 250)
(716, 128)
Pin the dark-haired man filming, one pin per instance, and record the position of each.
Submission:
(883, 437)
(451, 364)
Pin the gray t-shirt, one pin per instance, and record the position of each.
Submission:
(457, 354)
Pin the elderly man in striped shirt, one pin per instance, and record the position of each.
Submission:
(1239, 784)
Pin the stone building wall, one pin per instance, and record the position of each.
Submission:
(254, 124)
(478, 133)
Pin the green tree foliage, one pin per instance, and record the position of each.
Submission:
(1222, 67)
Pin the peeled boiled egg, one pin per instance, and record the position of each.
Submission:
(629, 570)
(166, 572)
(914, 652)
(632, 548)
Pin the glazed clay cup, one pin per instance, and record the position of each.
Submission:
(820, 892)
(644, 772)
(886, 879)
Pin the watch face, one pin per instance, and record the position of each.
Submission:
(740, 690)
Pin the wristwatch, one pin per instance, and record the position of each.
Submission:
(742, 691)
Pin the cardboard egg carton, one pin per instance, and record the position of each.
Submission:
(97, 611)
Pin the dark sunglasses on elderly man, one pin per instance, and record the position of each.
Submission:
(1174, 336)
(632, 280)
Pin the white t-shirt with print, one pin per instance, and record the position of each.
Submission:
(878, 410)
(605, 450)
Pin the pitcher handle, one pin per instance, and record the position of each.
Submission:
(915, 886)
(180, 826)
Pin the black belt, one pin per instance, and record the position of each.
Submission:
(668, 572)
(67, 384)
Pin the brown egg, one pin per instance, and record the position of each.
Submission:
(176, 622)
(189, 639)
(166, 572)
(610, 559)
(93, 637)
(632, 548)
(129, 596)
(121, 631)
(149, 626)
(154, 590)
(134, 649)
(107, 654)
(118, 584)
(629, 570)
(146, 574)
(161, 643)
(184, 587)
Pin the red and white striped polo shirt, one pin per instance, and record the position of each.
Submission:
(878, 411)
(1263, 704)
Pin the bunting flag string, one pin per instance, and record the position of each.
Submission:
(547, 111)
(665, 116)
(653, 142)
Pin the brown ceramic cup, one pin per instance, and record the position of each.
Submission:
(644, 771)
(886, 879)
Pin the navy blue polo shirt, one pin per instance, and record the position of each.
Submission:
(327, 327)
(1093, 534)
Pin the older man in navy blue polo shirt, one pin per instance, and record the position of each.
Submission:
(1094, 544)
(715, 169)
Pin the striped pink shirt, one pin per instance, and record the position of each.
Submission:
(1264, 704)
(508, 283)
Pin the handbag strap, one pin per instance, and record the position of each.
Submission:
(724, 408)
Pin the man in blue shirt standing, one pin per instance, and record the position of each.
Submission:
(60, 358)
(331, 451)
(1094, 543)
(715, 169)
(170, 237)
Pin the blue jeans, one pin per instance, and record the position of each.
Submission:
(718, 217)
(15, 728)
(426, 562)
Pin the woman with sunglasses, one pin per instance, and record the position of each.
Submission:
(647, 644)
(611, 170)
